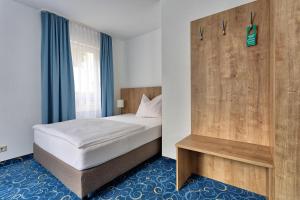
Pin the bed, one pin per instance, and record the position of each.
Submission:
(83, 164)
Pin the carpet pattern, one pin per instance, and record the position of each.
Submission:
(23, 178)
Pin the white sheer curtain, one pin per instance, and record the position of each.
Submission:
(85, 46)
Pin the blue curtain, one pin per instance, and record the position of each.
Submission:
(58, 98)
(107, 76)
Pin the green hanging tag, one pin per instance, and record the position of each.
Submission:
(251, 35)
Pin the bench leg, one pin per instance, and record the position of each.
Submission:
(270, 184)
(186, 164)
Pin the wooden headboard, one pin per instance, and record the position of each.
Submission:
(132, 97)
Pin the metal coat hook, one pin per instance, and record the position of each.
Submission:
(224, 25)
(201, 30)
(252, 20)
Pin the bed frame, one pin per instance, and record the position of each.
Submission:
(84, 182)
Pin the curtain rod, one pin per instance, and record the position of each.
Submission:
(42, 9)
(71, 20)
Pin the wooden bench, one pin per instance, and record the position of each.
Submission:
(252, 154)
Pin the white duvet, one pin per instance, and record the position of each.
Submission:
(87, 132)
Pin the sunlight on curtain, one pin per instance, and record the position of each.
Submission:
(85, 46)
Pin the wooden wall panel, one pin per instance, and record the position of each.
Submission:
(285, 50)
(242, 175)
(132, 97)
(230, 82)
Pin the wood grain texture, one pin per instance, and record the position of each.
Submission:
(243, 175)
(132, 97)
(186, 164)
(249, 177)
(230, 82)
(239, 151)
(241, 164)
(232, 96)
(286, 62)
(270, 189)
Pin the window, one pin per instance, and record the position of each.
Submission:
(85, 47)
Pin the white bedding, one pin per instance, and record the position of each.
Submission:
(93, 155)
(88, 132)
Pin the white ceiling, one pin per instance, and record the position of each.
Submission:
(120, 18)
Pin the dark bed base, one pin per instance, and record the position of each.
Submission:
(87, 181)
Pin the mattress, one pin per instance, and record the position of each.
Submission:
(89, 132)
(91, 156)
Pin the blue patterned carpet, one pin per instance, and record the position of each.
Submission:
(23, 178)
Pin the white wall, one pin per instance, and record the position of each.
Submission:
(176, 18)
(119, 60)
(143, 61)
(20, 91)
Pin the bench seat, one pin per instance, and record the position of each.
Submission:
(252, 154)
(240, 151)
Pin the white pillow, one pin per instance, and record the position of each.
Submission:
(150, 108)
